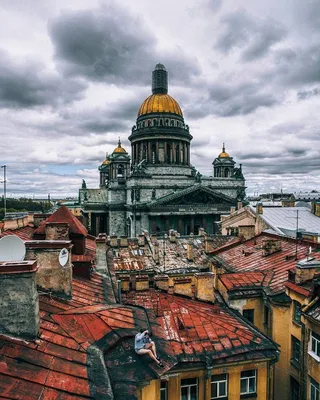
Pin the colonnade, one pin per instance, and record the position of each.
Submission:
(161, 152)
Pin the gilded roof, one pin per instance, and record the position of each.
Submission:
(159, 103)
(119, 148)
(224, 155)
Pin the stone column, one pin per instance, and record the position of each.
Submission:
(149, 159)
(173, 150)
(192, 224)
(157, 153)
(165, 153)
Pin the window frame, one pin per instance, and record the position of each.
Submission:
(164, 389)
(218, 382)
(314, 338)
(248, 380)
(251, 311)
(295, 341)
(296, 316)
(316, 385)
(196, 384)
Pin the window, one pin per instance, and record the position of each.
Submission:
(295, 389)
(296, 312)
(163, 390)
(295, 350)
(249, 315)
(189, 389)
(219, 386)
(248, 382)
(314, 390)
(314, 345)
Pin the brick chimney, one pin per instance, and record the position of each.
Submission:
(51, 275)
(270, 246)
(306, 269)
(190, 250)
(19, 302)
(259, 208)
(155, 252)
(204, 282)
(101, 253)
(172, 236)
(57, 231)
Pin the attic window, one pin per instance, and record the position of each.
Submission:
(137, 252)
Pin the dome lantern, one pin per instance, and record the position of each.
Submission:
(160, 80)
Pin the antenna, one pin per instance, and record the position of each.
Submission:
(12, 248)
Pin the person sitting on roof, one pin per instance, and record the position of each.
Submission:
(144, 345)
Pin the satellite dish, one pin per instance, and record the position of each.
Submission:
(12, 248)
(63, 257)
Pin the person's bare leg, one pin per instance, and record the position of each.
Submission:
(149, 352)
(152, 346)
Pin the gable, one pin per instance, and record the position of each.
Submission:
(195, 195)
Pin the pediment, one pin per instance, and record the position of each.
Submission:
(195, 195)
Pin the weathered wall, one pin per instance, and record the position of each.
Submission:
(51, 276)
(19, 302)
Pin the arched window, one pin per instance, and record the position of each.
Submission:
(172, 122)
(226, 172)
(161, 122)
(167, 122)
(177, 154)
(155, 122)
(120, 170)
(143, 124)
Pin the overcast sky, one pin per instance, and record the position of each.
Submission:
(74, 73)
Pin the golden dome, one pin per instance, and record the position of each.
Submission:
(119, 148)
(160, 103)
(106, 162)
(223, 154)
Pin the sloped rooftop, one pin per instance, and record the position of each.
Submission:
(202, 332)
(63, 214)
(249, 257)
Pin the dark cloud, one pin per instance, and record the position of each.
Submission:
(306, 94)
(28, 84)
(254, 36)
(109, 45)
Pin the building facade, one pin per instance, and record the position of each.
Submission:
(157, 188)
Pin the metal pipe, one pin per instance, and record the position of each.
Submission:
(119, 291)
(4, 188)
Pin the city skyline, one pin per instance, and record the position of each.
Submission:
(73, 76)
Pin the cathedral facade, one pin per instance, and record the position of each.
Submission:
(157, 188)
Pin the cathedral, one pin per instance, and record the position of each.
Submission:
(157, 188)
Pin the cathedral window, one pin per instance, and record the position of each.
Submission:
(226, 172)
(149, 122)
(167, 122)
(120, 170)
(172, 122)
(155, 122)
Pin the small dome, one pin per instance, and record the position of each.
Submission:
(160, 103)
(119, 148)
(106, 162)
(224, 154)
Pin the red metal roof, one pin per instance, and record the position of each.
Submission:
(298, 289)
(25, 233)
(63, 214)
(245, 280)
(248, 257)
(57, 365)
(198, 331)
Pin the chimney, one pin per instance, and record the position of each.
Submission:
(190, 250)
(113, 241)
(239, 205)
(123, 241)
(142, 282)
(141, 240)
(54, 272)
(270, 246)
(155, 252)
(316, 208)
(101, 254)
(232, 209)
(57, 231)
(204, 282)
(259, 208)
(202, 232)
(19, 301)
(172, 236)
(306, 270)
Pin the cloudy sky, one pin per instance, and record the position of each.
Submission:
(74, 73)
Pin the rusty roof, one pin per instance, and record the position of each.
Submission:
(25, 233)
(63, 214)
(202, 332)
(246, 280)
(249, 256)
